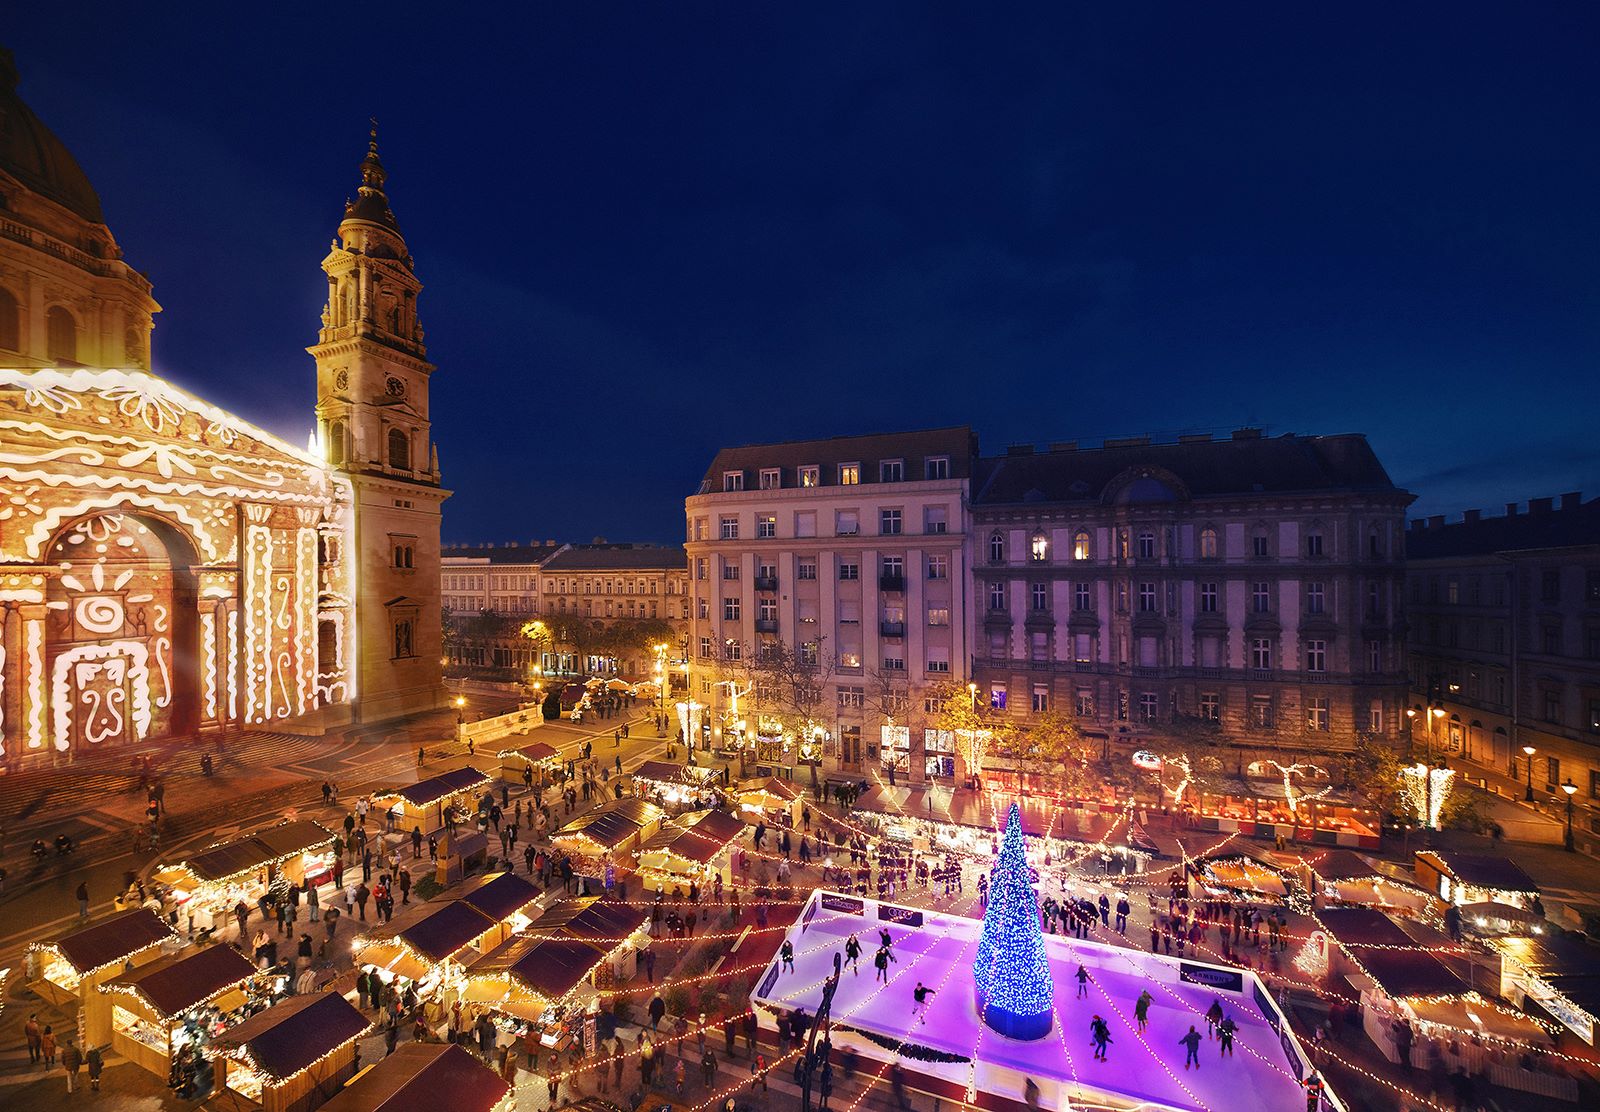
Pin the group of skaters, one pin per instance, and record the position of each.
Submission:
(1078, 915)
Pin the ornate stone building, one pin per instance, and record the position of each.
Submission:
(166, 568)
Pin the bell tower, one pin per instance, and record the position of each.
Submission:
(372, 421)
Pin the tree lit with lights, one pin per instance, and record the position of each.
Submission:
(1015, 991)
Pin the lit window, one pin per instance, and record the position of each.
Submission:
(849, 474)
(766, 526)
(810, 475)
(1081, 548)
(997, 696)
(1039, 548)
(1208, 544)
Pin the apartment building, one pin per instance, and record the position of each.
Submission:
(498, 579)
(1505, 642)
(1255, 582)
(850, 551)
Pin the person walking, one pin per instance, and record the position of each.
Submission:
(1192, 1041)
(658, 1008)
(47, 1047)
(1122, 914)
(96, 1065)
(71, 1061)
(35, 1036)
(1100, 1032)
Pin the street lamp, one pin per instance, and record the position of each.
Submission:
(1569, 787)
(1529, 751)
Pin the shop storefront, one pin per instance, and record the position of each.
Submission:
(73, 966)
(425, 803)
(541, 759)
(674, 787)
(206, 886)
(166, 1012)
(293, 1056)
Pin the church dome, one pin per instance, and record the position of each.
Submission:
(32, 154)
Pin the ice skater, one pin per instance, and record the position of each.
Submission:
(786, 952)
(1083, 982)
(920, 996)
(1192, 1041)
(1100, 1032)
(884, 940)
(1225, 1032)
(882, 959)
(852, 954)
(1141, 1009)
(1213, 1017)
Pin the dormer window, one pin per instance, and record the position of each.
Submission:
(810, 475)
(1039, 547)
(936, 467)
(849, 474)
(732, 481)
(891, 471)
(771, 478)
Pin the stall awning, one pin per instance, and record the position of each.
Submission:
(537, 753)
(613, 823)
(551, 967)
(246, 854)
(665, 772)
(293, 1034)
(174, 984)
(432, 790)
(417, 1077)
(986, 811)
(697, 838)
(1481, 870)
(500, 895)
(445, 932)
(111, 940)
(592, 920)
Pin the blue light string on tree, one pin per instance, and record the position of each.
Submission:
(1015, 991)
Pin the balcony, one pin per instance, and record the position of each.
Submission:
(888, 582)
(892, 629)
(766, 582)
(766, 625)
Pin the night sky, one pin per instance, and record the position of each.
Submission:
(648, 230)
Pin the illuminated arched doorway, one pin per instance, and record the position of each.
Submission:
(121, 633)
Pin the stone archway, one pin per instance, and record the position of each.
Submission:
(121, 631)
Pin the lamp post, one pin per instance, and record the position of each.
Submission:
(1570, 788)
(1529, 751)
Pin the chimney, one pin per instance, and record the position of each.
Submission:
(1020, 450)
(551, 542)
(1511, 509)
(1064, 446)
(1571, 500)
(1540, 505)
(1195, 438)
(1417, 524)
(1126, 442)
(1436, 521)
(1247, 434)
(1471, 516)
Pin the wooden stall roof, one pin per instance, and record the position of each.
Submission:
(698, 837)
(499, 895)
(536, 753)
(613, 823)
(417, 1078)
(1364, 932)
(112, 940)
(178, 982)
(1480, 870)
(552, 967)
(441, 933)
(591, 919)
(987, 811)
(293, 1034)
(435, 788)
(252, 851)
(771, 785)
(1344, 864)
(665, 772)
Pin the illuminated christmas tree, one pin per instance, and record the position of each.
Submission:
(1015, 992)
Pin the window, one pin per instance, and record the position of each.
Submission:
(766, 526)
(846, 523)
(1081, 548)
(1149, 706)
(705, 646)
(699, 567)
(1550, 585)
(1258, 545)
(703, 608)
(1316, 602)
(1208, 543)
(1375, 657)
(997, 696)
(938, 666)
(1039, 548)
(1316, 656)
(1039, 646)
(1041, 698)
(997, 596)
(849, 569)
(730, 571)
(1317, 714)
(730, 609)
(1452, 592)
(894, 663)
(805, 569)
(405, 554)
(61, 339)
(1083, 702)
(1208, 598)
(771, 478)
(893, 568)
(810, 475)
(1375, 716)
(1261, 716)
(852, 698)
(1082, 648)
(889, 523)
(732, 480)
(935, 519)
(1550, 710)
(731, 650)
(936, 467)
(805, 523)
(730, 528)
(891, 471)
(404, 646)
(1147, 598)
(938, 615)
(849, 474)
(997, 548)
(808, 653)
(1313, 544)
(399, 450)
(1261, 652)
(1552, 640)
(938, 567)
(1147, 546)
(1211, 706)
(1082, 601)
(1593, 724)
(1261, 597)
(1041, 596)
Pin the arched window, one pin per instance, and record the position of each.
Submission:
(997, 548)
(336, 442)
(399, 450)
(61, 335)
(10, 322)
(1081, 547)
(1039, 547)
(1208, 543)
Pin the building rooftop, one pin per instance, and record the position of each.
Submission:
(1135, 470)
(1571, 523)
(618, 557)
(502, 553)
(958, 444)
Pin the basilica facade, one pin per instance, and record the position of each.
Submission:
(167, 569)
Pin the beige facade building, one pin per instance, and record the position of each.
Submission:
(850, 553)
(1505, 642)
(1250, 581)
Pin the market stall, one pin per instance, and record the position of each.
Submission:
(293, 1056)
(1242, 876)
(208, 884)
(424, 803)
(1470, 878)
(610, 831)
(163, 1011)
(1342, 876)
(420, 1076)
(674, 786)
(1556, 973)
(506, 898)
(528, 975)
(768, 799)
(422, 951)
(74, 965)
(691, 849)
(543, 759)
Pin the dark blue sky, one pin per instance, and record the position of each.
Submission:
(648, 230)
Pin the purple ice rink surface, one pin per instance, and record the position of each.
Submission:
(1146, 1070)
